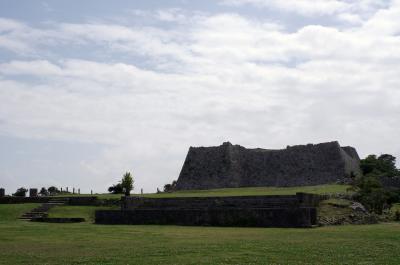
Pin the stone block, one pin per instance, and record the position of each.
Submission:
(33, 192)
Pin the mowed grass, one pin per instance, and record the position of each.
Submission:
(11, 212)
(251, 191)
(84, 243)
(87, 212)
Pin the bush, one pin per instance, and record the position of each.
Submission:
(44, 191)
(371, 193)
(21, 192)
(116, 189)
(369, 189)
(397, 215)
(170, 187)
(53, 190)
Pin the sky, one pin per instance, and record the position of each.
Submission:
(92, 89)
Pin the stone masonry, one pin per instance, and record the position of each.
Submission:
(231, 166)
(33, 192)
(252, 211)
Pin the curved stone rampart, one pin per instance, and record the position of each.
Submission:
(231, 166)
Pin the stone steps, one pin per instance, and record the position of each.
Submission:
(42, 210)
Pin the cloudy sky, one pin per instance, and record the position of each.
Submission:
(91, 89)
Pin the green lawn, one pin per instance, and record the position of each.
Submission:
(320, 189)
(11, 212)
(86, 212)
(24, 242)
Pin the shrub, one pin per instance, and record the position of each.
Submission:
(21, 192)
(116, 189)
(53, 190)
(43, 191)
(397, 215)
(170, 187)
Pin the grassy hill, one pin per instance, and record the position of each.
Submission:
(11, 212)
(251, 191)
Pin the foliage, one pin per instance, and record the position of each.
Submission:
(127, 183)
(53, 190)
(21, 192)
(382, 166)
(371, 194)
(44, 191)
(370, 191)
(116, 189)
(397, 215)
(170, 187)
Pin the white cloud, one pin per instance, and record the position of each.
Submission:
(349, 11)
(225, 77)
(304, 7)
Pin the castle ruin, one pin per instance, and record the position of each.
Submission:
(232, 166)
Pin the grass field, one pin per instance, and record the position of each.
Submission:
(84, 243)
(86, 212)
(321, 189)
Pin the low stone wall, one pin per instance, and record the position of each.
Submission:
(280, 217)
(259, 211)
(310, 200)
(73, 200)
(12, 200)
(58, 220)
(133, 203)
(83, 201)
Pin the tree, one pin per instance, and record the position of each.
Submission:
(371, 193)
(53, 190)
(170, 187)
(21, 192)
(116, 189)
(382, 166)
(43, 192)
(127, 183)
(368, 187)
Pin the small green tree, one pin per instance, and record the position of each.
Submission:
(127, 183)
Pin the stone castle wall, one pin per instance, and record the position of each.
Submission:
(231, 166)
(254, 211)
